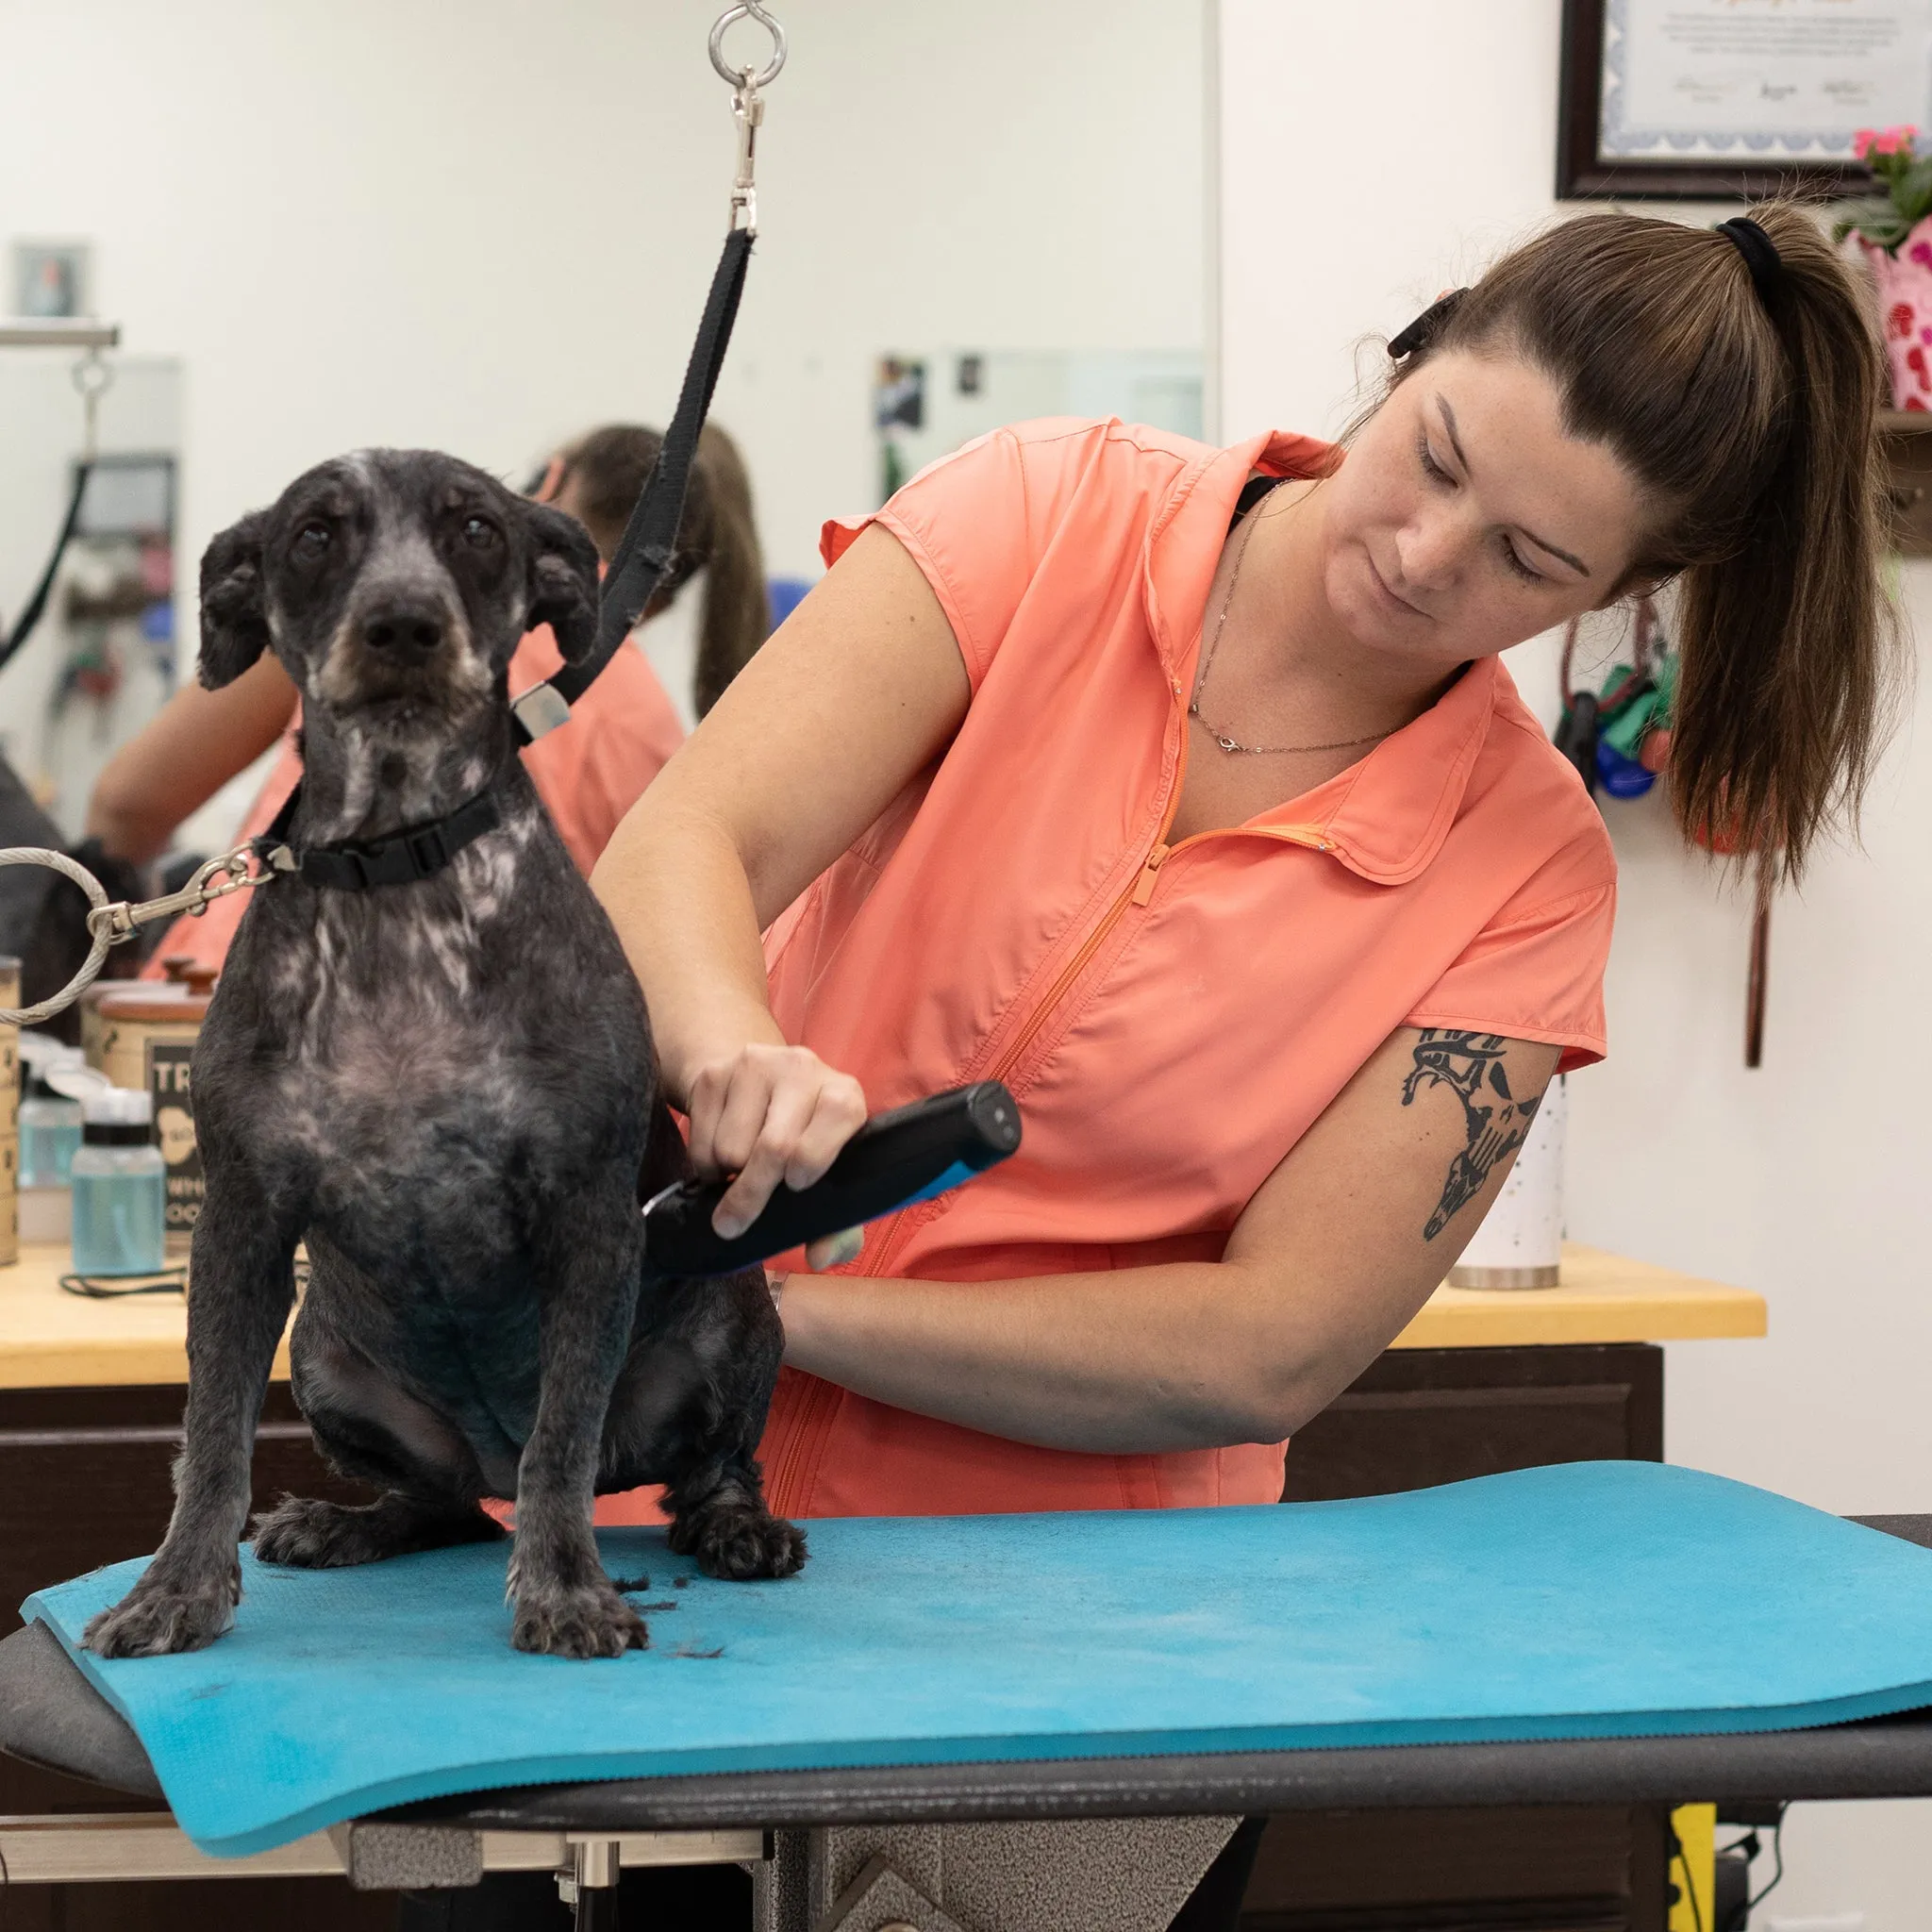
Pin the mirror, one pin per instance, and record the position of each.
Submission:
(103, 659)
(489, 246)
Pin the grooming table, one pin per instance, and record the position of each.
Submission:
(1556, 1636)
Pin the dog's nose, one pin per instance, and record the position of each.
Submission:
(406, 632)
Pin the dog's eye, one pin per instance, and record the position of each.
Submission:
(480, 532)
(311, 541)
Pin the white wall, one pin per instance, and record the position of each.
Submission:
(1368, 157)
(481, 228)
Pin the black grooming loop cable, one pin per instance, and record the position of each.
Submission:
(91, 378)
(646, 552)
(650, 539)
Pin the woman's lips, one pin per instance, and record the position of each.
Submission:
(1389, 596)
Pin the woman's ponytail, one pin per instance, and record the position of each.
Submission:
(605, 472)
(1738, 380)
(1783, 633)
(735, 618)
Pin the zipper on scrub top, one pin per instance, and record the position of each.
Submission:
(1137, 895)
(1143, 886)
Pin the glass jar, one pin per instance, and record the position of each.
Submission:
(119, 1193)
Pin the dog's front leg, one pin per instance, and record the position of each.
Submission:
(243, 1283)
(565, 1605)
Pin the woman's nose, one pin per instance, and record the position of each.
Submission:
(1433, 548)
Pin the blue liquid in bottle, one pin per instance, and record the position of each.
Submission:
(49, 1137)
(118, 1203)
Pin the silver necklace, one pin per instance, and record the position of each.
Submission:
(1226, 740)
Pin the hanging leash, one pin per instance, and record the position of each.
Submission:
(91, 378)
(649, 544)
(645, 552)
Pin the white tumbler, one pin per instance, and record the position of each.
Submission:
(1520, 1243)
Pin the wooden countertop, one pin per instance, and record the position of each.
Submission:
(1603, 1298)
(53, 1340)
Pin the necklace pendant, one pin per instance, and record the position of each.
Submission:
(1227, 744)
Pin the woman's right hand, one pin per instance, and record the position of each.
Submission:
(768, 1114)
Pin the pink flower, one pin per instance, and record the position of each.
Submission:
(1863, 141)
(1893, 141)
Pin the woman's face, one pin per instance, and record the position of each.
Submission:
(1465, 520)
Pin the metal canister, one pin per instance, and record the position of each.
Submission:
(9, 1114)
(148, 1032)
(1519, 1242)
(182, 970)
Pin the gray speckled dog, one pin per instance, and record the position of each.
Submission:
(446, 1089)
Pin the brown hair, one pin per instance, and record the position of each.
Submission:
(605, 472)
(1749, 421)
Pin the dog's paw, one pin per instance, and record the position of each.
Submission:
(741, 1542)
(307, 1533)
(577, 1620)
(158, 1623)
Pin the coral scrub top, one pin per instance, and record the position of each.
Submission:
(622, 732)
(1172, 1017)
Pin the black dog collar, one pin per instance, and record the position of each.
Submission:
(357, 865)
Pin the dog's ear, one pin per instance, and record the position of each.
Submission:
(563, 579)
(234, 604)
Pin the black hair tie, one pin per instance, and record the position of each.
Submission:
(1759, 252)
(1424, 329)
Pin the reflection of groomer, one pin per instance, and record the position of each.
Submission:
(1224, 839)
(622, 731)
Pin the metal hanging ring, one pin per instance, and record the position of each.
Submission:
(93, 376)
(90, 972)
(743, 76)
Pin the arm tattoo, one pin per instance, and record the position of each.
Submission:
(1498, 1123)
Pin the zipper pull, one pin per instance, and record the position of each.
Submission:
(1143, 887)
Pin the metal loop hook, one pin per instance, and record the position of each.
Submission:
(743, 76)
(93, 378)
(109, 923)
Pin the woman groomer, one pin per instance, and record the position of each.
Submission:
(1224, 840)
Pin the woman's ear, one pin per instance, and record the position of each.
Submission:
(234, 607)
(563, 579)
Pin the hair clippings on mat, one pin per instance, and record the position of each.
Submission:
(1421, 331)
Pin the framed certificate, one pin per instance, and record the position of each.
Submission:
(1714, 99)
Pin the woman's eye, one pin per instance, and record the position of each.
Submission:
(311, 541)
(1431, 468)
(1517, 564)
(480, 532)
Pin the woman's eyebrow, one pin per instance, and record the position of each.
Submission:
(1576, 563)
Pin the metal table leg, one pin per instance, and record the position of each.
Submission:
(591, 1884)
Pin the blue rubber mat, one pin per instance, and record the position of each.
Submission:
(1613, 1599)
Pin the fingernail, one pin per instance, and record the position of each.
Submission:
(835, 1250)
(727, 1226)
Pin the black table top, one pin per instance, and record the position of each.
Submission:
(50, 1715)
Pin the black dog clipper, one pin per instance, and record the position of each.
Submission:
(896, 1159)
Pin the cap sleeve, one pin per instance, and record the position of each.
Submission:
(964, 522)
(1536, 972)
